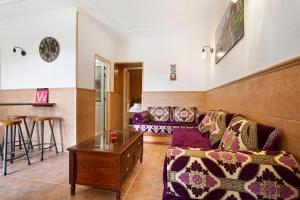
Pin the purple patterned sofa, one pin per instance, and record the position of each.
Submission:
(162, 120)
(244, 165)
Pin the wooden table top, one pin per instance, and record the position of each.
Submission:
(29, 104)
(103, 142)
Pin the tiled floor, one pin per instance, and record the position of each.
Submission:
(48, 180)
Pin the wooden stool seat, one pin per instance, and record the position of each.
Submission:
(14, 117)
(41, 119)
(12, 125)
(9, 122)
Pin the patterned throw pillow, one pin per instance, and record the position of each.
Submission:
(159, 114)
(204, 126)
(217, 128)
(184, 114)
(272, 140)
(241, 134)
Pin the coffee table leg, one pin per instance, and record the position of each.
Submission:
(118, 196)
(73, 187)
(141, 159)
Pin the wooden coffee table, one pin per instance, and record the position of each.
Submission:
(103, 163)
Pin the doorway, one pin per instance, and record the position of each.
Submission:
(127, 96)
(133, 93)
(101, 68)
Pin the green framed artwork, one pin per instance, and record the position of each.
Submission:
(230, 29)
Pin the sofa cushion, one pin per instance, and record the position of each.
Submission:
(141, 117)
(170, 123)
(159, 114)
(214, 125)
(272, 141)
(244, 134)
(189, 138)
(217, 128)
(205, 124)
(184, 114)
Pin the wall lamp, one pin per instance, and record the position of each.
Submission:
(23, 52)
(234, 1)
(203, 51)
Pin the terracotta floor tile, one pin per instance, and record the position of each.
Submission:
(48, 180)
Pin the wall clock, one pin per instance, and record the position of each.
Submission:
(49, 49)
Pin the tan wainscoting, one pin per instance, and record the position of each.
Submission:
(65, 99)
(271, 97)
(197, 99)
(85, 114)
(115, 111)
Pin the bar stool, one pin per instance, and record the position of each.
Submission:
(9, 124)
(42, 121)
(22, 118)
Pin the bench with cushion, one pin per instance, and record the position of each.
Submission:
(162, 120)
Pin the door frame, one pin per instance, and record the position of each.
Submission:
(107, 85)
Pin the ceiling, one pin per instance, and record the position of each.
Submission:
(128, 17)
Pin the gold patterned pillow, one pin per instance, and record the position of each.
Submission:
(241, 134)
(217, 127)
(159, 114)
(204, 126)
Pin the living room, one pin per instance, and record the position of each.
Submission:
(216, 80)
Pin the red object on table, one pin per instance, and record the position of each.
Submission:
(42, 95)
(113, 135)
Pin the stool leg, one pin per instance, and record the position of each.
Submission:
(27, 131)
(24, 145)
(1, 149)
(42, 137)
(20, 142)
(14, 127)
(52, 133)
(5, 150)
(11, 145)
(30, 136)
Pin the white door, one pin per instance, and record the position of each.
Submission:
(100, 80)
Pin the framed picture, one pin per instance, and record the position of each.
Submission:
(230, 29)
(173, 72)
(42, 95)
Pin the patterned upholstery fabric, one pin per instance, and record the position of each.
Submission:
(160, 129)
(217, 128)
(184, 114)
(241, 134)
(214, 125)
(244, 134)
(204, 126)
(159, 114)
(272, 140)
(191, 174)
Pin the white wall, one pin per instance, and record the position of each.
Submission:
(272, 35)
(94, 38)
(159, 51)
(18, 72)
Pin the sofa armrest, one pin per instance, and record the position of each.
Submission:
(214, 168)
(141, 117)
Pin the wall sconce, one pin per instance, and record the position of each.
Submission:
(234, 1)
(23, 52)
(203, 51)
